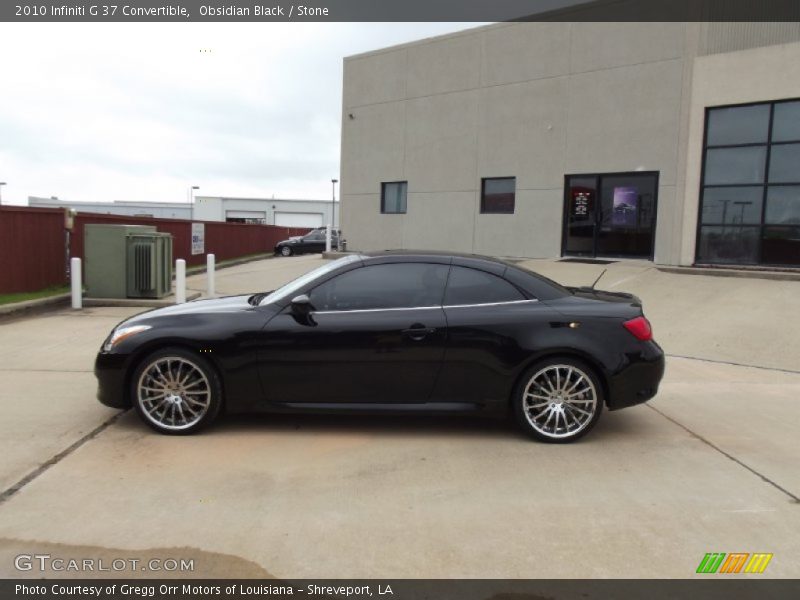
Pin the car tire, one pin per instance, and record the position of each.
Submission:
(176, 391)
(558, 400)
(286, 251)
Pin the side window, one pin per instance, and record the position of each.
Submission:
(470, 286)
(314, 236)
(396, 285)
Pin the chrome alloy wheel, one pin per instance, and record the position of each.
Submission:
(559, 401)
(173, 393)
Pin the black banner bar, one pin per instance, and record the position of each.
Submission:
(715, 587)
(396, 10)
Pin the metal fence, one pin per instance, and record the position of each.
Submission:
(33, 243)
(32, 249)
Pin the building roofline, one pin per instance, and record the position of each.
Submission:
(428, 40)
(264, 199)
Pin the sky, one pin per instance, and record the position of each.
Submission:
(144, 111)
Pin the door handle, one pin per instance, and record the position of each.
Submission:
(418, 332)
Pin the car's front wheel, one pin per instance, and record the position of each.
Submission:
(176, 391)
(286, 251)
(558, 400)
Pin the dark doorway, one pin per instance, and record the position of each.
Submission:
(611, 214)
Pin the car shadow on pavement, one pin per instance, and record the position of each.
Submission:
(611, 426)
(389, 425)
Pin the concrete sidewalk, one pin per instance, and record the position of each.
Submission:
(709, 465)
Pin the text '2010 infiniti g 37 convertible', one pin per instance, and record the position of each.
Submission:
(394, 331)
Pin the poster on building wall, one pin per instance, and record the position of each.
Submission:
(626, 205)
(198, 238)
(582, 203)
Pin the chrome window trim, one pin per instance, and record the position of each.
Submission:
(490, 303)
(365, 310)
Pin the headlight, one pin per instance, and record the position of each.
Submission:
(121, 333)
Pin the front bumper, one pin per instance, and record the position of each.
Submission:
(110, 371)
(639, 379)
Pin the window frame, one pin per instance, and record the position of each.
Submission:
(525, 295)
(483, 210)
(383, 198)
(765, 184)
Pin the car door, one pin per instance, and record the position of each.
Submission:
(491, 325)
(313, 242)
(376, 334)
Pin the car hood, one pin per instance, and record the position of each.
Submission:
(213, 305)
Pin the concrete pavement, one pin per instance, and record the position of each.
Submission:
(708, 466)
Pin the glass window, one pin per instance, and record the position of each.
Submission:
(732, 205)
(470, 286)
(786, 122)
(287, 292)
(735, 165)
(394, 197)
(498, 195)
(738, 125)
(396, 285)
(784, 164)
(728, 244)
(781, 245)
(783, 205)
(750, 207)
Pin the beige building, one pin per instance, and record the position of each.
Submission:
(677, 142)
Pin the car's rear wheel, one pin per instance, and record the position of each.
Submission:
(286, 251)
(176, 391)
(558, 400)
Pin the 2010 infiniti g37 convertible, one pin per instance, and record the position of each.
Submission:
(390, 332)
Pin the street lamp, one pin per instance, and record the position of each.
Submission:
(333, 203)
(2, 183)
(191, 193)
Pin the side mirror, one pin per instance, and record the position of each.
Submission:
(302, 308)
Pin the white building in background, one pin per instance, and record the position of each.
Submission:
(160, 210)
(284, 212)
(266, 211)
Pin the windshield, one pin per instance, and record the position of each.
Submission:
(290, 288)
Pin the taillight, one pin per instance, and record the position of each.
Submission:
(640, 328)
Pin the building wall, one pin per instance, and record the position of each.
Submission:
(540, 101)
(534, 100)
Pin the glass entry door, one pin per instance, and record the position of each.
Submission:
(610, 215)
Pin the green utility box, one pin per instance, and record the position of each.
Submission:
(127, 261)
(149, 265)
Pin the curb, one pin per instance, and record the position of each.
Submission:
(144, 302)
(742, 273)
(15, 307)
(232, 263)
(18, 307)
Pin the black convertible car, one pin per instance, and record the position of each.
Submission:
(393, 331)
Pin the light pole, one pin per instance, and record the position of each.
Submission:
(2, 183)
(333, 203)
(191, 193)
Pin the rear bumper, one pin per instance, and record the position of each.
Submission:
(639, 379)
(110, 372)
